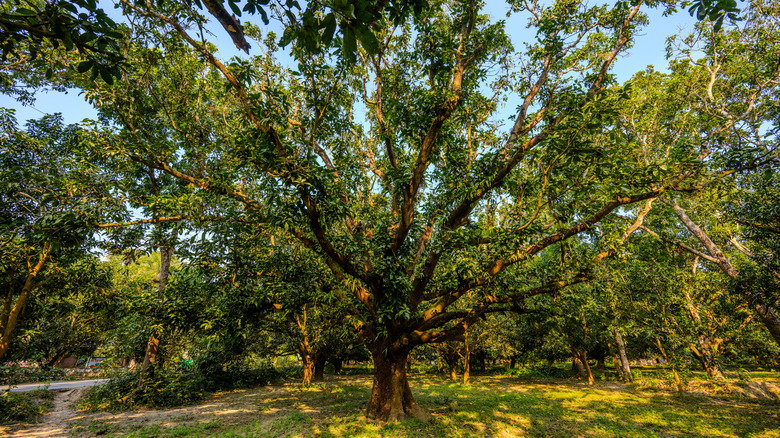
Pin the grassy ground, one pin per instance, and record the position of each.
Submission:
(496, 406)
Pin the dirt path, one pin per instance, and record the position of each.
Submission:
(53, 423)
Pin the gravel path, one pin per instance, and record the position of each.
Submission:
(54, 386)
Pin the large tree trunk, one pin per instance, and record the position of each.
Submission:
(581, 367)
(577, 367)
(391, 397)
(705, 358)
(624, 366)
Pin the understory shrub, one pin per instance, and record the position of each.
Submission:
(16, 375)
(540, 370)
(25, 407)
(216, 376)
(170, 387)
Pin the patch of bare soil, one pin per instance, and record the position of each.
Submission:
(767, 389)
(54, 423)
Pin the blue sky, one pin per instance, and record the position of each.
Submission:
(650, 48)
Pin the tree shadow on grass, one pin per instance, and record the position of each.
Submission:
(494, 407)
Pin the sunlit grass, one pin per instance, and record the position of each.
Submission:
(498, 406)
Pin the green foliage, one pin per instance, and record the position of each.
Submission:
(714, 10)
(216, 376)
(174, 386)
(29, 28)
(25, 407)
(167, 388)
(15, 374)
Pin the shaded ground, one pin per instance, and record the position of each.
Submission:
(490, 406)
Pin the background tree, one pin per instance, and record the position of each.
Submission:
(51, 191)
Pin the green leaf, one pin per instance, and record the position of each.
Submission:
(263, 16)
(289, 34)
(349, 45)
(106, 75)
(367, 39)
(25, 11)
(84, 66)
(236, 10)
(329, 29)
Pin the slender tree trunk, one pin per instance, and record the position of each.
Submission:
(577, 367)
(770, 320)
(705, 352)
(584, 356)
(29, 285)
(153, 344)
(466, 357)
(308, 369)
(391, 397)
(624, 365)
(765, 313)
(677, 379)
(319, 366)
(337, 363)
(166, 253)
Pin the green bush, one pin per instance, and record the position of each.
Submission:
(540, 370)
(167, 388)
(170, 387)
(16, 375)
(216, 376)
(24, 407)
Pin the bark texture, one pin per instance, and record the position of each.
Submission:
(308, 369)
(391, 397)
(625, 368)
